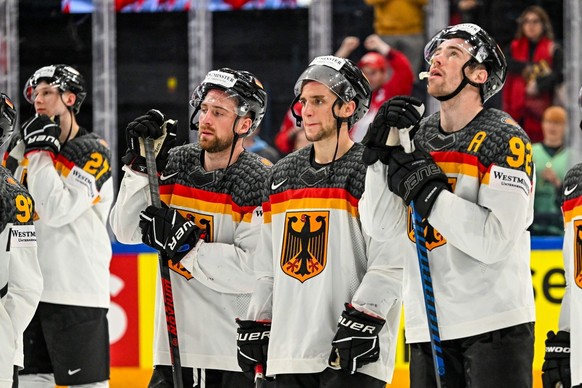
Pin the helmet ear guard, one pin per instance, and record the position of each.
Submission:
(64, 77)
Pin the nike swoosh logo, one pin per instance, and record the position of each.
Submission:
(166, 177)
(72, 372)
(568, 191)
(275, 186)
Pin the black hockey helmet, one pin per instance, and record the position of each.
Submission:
(343, 77)
(7, 118)
(248, 91)
(65, 77)
(483, 49)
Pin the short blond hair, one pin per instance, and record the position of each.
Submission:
(556, 114)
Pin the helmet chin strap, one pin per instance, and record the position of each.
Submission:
(234, 140)
(463, 83)
(339, 121)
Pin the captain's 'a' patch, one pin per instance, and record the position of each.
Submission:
(304, 251)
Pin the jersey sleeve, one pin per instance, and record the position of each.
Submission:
(133, 197)
(233, 273)
(381, 288)
(492, 227)
(261, 304)
(62, 197)
(382, 213)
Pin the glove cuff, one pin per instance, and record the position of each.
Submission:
(51, 153)
(135, 162)
(425, 200)
(360, 321)
(250, 324)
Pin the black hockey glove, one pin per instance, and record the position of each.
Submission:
(556, 367)
(356, 342)
(41, 133)
(153, 125)
(416, 177)
(252, 344)
(167, 231)
(399, 114)
(7, 118)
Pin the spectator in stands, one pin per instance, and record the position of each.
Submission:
(497, 16)
(400, 23)
(285, 138)
(535, 63)
(551, 159)
(388, 71)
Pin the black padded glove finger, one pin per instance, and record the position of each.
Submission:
(416, 177)
(556, 366)
(153, 125)
(252, 344)
(145, 126)
(376, 138)
(356, 342)
(7, 118)
(167, 231)
(40, 133)
(397, 118)
(404, 112)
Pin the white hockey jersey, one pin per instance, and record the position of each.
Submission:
(73, 194)
(313, 257)
(571, 311)
(20, 277)
(227, 204)
(478, 243)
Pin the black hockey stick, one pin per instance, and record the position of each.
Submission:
(164, 271)
(259, 376)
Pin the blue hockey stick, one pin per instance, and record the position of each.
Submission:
(429, 302)
(422, 252)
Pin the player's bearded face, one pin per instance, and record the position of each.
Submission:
(216, 122)
(219, 141)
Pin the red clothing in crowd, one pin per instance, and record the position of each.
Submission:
(527, 110)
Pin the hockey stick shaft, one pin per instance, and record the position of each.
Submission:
(419, 225)
(164, 271)
(259, 376)
(429, 301)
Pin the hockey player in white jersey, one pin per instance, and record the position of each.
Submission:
(212, 191)
(563, 359)
(67, 171)
(314, 263)
(20, 277)
(470, 177)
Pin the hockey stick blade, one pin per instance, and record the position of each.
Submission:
(164, 271)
